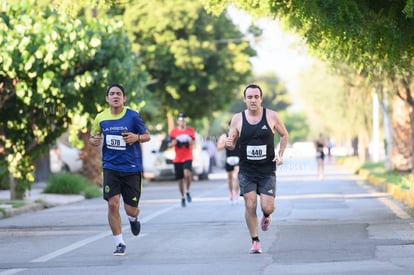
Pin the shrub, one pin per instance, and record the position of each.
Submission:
(92, 191)
(66, 183)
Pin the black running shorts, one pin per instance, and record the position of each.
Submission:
(180, 166)
(126, 184)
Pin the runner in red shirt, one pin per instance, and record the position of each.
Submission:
(182, 138)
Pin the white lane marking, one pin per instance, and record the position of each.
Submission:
(70, 248)
(395, 208)
(82, 243)
(12, 271)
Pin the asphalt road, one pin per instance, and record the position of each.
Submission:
(338, 225)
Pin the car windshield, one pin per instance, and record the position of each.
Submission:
(164, 144)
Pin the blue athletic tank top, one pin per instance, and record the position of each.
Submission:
(257, 149)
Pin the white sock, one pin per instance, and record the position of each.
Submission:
(119, 239)
(132, 219)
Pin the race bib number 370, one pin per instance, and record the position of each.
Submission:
(256, 152)
(115, 142)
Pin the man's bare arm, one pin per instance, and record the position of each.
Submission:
(284, 138)
(233, 132)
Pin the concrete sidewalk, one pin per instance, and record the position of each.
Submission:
(35, 200)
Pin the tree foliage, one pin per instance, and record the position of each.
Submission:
(374, 38)
(196, 60)
(369, 35)
(53, 74)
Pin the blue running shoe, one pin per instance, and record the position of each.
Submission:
(135, 227)
(120, 250)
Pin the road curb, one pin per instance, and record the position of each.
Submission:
(397, 193)
(29, 207)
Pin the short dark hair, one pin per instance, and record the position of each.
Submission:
(254, 86)
(181, 116)
(115, 85)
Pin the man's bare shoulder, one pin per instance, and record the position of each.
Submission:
(272, 115)
(237, 116)
(237, 120)
(273, 119)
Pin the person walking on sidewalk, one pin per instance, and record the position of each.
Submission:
(231, 166)
(120, 130)
(182, 138)
(254, 128)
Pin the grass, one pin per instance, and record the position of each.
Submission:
(404, 180)
(13, 204)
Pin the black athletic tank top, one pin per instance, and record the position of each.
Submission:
(257, 147)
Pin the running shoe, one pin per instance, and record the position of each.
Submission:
(265, 223)
(255, 249)
(135, 227)
(188, 197)
(183, 202)
(120, 250)
(235, 197)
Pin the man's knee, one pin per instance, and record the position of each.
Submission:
(113, 203)
(267, 204)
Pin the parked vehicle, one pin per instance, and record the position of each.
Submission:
(158, 159)
(64, 158)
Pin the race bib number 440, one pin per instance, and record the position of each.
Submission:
(256, 152)
(115, 142)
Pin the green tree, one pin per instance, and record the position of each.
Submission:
(372, 37)
(197, 61)
(337, 105)
(297, 125)
(53, 74)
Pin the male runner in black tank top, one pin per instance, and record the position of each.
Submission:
(255, 128)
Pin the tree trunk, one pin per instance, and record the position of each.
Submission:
(385, 111)
(363, 146)
(402, 149)
(12, 187)
(91, 158)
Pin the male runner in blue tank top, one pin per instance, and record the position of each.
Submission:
(254, 128)
(122, 130)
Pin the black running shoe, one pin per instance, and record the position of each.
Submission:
(188, 197)
(135, 227)
(120, 250)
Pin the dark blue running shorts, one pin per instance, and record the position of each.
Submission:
(262, 184)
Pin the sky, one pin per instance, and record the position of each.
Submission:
(278, 51)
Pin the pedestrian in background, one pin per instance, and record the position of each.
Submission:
(254, 128)
(121, 130)
(231, 166)
(320, 145)
(210, 146)
(182, 138)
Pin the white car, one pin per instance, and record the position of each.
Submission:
(158, 159)
(65, 158)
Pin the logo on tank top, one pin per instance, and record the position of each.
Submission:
(264, 127)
